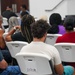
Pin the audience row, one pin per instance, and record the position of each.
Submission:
(35, 32)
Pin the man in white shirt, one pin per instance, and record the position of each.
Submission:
(39, 31)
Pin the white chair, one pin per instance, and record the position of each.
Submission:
(5, 21)
(51, 38)
(15, 47)
(67, 51)
(19, 20)
(35, 64)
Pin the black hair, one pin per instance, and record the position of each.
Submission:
(39, 28)
(24, 6)
(10, 7)
(25, 26)
(54, 20)
(69, 23)
(24, 13)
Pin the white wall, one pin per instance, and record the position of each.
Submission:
(71, 7)
(38, 7)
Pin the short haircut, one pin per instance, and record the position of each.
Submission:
(39, 28)
(24, 6)
(55, 18)
(69, 23)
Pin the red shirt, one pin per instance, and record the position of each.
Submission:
(67, 37)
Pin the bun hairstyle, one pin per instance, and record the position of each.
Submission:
(69, 23)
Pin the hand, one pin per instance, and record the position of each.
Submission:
(18, 27)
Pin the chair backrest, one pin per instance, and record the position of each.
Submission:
(35, 64)
(51, 38)
(67, 51)
(5, 21)
(15, 47)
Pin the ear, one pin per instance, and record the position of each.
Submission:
(45, 34)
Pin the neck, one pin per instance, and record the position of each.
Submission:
(69, 31)
(38, 40)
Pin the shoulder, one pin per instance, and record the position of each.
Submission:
(61, 38)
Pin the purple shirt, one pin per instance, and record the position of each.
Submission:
(61, 29)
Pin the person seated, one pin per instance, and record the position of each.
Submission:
(8, 13)
(8, 70)
(3, 47)
(24, 9)
(55, 22)
(69, 36)
(23, 13)
(25, 33)
(39, 32)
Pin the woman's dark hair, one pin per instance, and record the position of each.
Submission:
(54, 20)
(69, 23)
(25, 26)
(39, 28)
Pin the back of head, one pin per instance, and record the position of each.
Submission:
(39, 28)
(23, 13)
(13, 21)
(24, 6)
(25, 26)
(55, 18)
(9, 8)
(69, 23)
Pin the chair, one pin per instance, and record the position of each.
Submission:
(67, 51)
(35, 64)
(5, 22)
(51, 38)
(15, 47)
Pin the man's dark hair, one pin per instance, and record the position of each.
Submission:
(24, 6)
(39, 28)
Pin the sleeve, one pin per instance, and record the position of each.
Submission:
(1, 56)
(14, 37)
(57, 59)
